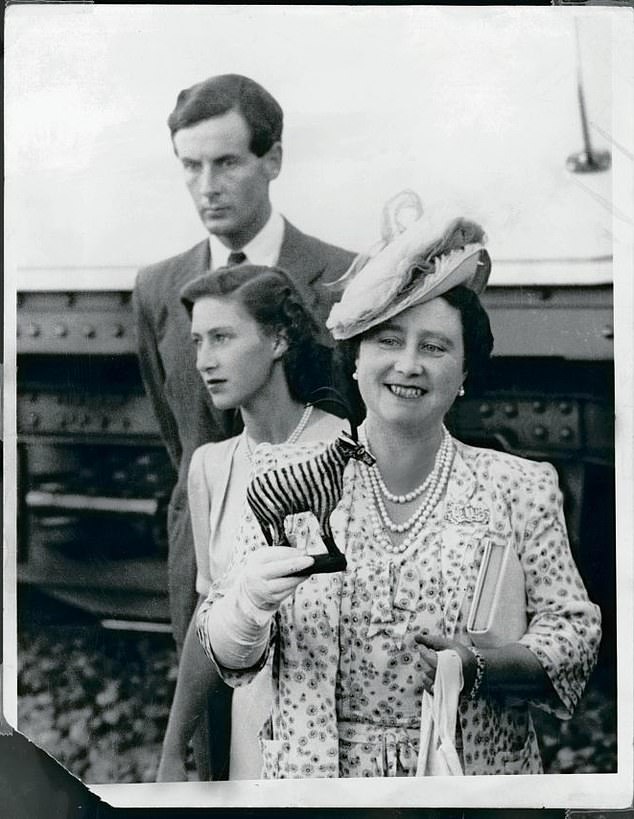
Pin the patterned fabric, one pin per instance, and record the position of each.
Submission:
(346, 668)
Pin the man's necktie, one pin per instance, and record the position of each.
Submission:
(236, 257)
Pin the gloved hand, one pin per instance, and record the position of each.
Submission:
(265, 578)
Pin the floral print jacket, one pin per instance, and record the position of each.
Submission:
(491, 495)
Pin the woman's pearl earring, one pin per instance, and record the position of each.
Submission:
(461, 392)
(355, 375)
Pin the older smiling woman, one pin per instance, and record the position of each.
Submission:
(357, 653)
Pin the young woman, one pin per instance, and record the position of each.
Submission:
(354, 652)
(256, 352)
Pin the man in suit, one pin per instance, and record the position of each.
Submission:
(226, 132)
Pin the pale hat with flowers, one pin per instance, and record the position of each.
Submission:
(417, 259)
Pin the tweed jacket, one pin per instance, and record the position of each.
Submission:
(186, 415)
(491, 495)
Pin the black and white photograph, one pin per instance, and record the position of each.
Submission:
(317, 403)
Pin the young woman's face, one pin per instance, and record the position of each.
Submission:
(410, 368)
(234, 356)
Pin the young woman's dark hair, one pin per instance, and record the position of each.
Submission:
(477, 340)
(271, 298)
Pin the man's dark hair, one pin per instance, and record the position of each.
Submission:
(231, 92)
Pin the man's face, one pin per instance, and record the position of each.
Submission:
(228, 183)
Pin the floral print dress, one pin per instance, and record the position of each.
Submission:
(386, 601)
(346, 671)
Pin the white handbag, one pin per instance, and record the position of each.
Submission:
(498, 612)
(437, 755)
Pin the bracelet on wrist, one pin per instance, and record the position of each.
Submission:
(479, 675)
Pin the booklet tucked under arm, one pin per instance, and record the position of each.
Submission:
(498, 611)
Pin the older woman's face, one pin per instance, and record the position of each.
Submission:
(410, 368)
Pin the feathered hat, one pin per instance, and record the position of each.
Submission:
(416, 260)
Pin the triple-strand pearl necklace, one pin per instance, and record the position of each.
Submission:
(408, 497)
(429, 486)
(433, 488)
(293, 438)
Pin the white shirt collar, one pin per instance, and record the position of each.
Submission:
(263, 249)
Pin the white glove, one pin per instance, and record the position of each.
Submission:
(265, 578)
(235, 630)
